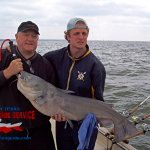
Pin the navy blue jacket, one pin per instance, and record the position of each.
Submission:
(85, 75)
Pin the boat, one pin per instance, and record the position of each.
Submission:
(102, 142)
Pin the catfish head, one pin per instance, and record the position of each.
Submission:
(31, 86)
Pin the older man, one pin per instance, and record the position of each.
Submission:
(79, 70)
(14, 105)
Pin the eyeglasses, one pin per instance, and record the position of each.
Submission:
(29, 64)
(33, 36)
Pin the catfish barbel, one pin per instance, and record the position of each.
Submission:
(51, 101)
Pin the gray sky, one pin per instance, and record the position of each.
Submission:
(127, 20)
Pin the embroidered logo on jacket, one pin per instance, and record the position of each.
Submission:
(81, 75)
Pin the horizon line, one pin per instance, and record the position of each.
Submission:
(87, 40)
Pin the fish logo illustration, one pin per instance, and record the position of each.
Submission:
(81, 75)
(7, 127)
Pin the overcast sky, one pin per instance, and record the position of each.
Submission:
(125, 20)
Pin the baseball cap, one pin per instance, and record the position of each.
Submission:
(72, 24)
(28, 25)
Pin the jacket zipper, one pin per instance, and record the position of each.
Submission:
(70, 74)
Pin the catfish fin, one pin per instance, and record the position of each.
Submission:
(104, 122)
(40, 99)
(124, 128)
(66, 91)
(110, 105)
(70, 123)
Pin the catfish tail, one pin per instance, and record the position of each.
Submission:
(124, 128)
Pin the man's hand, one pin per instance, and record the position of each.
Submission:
(8, 47)
(14, 68)
(58, 118)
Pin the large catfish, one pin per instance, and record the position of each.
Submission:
(50, 101)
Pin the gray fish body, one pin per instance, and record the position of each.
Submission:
(50, 101)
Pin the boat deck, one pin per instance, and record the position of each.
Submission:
(102, 142)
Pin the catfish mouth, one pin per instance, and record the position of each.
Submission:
(23, 80)
(29, 85)
(24, 77)
(26, 87)
(28, 80)
(21, 74)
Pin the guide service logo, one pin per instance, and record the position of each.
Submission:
(7, 113)
(7, 127)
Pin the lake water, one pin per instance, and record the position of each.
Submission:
(127, 84)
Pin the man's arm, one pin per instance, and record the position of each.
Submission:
(14, 67)
(8, 47)
(99, 76)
